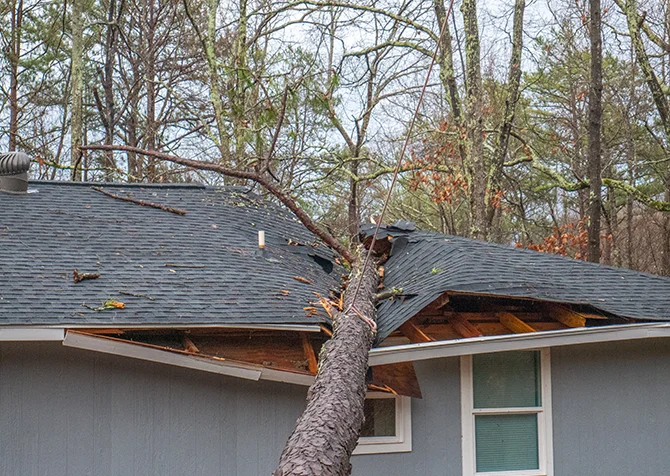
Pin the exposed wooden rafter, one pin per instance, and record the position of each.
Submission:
(567, 317)
(414, 333)
(464, 327)
(514, 324)
(312, 363)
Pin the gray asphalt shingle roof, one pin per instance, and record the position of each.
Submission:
(426, 264)
(198, 269)
(203, 268)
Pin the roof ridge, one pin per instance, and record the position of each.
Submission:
(67, 183)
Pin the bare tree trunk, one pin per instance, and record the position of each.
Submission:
(665, 263)
(595, 118)
(108, 85)
(477, 167)
(76, 65)
(327, 432)
(14, 57)
(511, 100)
(150, 77)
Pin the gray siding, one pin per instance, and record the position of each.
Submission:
(436, 428)
(611, 405)
(66, 412)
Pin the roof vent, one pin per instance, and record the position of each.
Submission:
(14, 172)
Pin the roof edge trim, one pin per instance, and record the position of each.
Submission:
(35, 334)
(537, 340)
(113, 346)
(111, 325)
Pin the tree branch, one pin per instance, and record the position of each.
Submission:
(282, 196)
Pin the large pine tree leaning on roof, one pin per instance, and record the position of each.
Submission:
(327, 432)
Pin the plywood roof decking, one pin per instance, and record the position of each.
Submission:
(425, 265)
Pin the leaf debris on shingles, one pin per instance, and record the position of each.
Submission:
(78, 277)
(302, 280)
(106, 305)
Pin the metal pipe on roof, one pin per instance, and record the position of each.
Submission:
(14, 172)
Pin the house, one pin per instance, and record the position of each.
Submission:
(181, 346)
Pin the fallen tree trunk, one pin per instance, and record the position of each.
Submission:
(327, 431)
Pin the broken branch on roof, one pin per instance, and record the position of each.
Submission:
(79, 277)
(142, 203)
(388, 294)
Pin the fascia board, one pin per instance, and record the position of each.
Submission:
(35, 334)
(487, 344)
(135, 351)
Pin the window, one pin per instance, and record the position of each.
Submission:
(506, 414)
(388, 425)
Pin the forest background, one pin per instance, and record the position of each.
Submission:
(319, 94)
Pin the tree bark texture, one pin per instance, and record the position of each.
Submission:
(76, 65)
(327, 432)
(447, 74)
(14, 54)
(477, 166)
(595, 120)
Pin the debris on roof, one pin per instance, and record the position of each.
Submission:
(181, 270)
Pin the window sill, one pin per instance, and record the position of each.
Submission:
(372, 445)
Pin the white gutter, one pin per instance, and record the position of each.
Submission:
(108, 345)
(23, 334)
(535, 340)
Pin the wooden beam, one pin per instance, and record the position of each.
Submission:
(442, 301)
(514, 324)
(464, 327)
(312, 363)
(413, 333)
(567, 316)
(189, 346)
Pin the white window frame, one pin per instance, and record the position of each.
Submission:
(544, 421)
(402, 441)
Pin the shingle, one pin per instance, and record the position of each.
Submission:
(200, 268)
(432, 263)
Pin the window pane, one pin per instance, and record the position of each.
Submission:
(506, 442)
(379, 417)
(506, 379)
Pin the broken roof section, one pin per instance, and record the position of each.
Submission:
(425, 265)
(201, 268)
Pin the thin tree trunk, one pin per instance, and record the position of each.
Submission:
(14, 57)
(595, 118)
(511, 100)
(665, 263)
(108, 87)
(477, 166)
(327, 432)
(634, 22)
(150, 77)
(76, 65)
